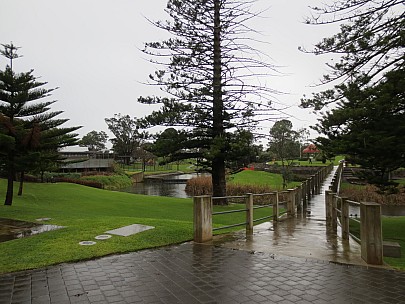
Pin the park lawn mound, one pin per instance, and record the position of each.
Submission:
(88, 212)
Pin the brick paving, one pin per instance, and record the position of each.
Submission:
(195, 273)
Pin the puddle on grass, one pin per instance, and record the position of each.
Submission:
(15, 229)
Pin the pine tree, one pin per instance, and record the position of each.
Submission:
(26, 126)
(370, 43)
(211, 77)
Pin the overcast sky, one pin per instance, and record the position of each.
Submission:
(90, 50)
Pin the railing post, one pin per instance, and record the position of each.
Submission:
(249, 213)
(334, 213)
(308, 188)
(371, 233)
(298, 198)
(344, 220)
(328, 206)
(304, 192)
(275, 208)
(202, 219)
(291, 202)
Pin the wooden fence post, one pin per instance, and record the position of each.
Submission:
(334, 212)
(249, 213)
(304, 193)
(298, 198)
(371, 233)
(202, 219)
(291, 202)
(344, 220)
(328, 207)
(308, 188)
(275, 208)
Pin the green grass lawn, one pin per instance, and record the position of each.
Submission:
(87, 212)
(260, 178)
(393, 230)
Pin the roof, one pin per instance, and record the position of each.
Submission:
(311, 149)
(90, 164)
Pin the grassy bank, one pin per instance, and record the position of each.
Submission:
(88, 212)
(393, 231)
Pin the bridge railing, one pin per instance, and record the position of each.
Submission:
(293, 199)
(337, 214)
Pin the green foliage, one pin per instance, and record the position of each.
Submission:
(369, 125)
(211, 77)
(94, 141)
(127, 136)
(30, 134)
(110, 182)
(285, 146)
(370, 42)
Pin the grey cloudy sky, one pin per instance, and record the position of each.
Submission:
(90, 50)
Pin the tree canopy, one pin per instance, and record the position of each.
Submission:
(368, 124)
(285, 146)
(370, 43)
(94, 141)
(28, 131)
(127, 136)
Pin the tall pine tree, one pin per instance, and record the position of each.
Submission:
(26, 126)
(211, 77)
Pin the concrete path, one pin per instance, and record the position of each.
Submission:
(275, 268)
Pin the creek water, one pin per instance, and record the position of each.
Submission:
(170, 185)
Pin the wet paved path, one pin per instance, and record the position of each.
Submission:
(305, 235)
(280, 271)
(192, 273)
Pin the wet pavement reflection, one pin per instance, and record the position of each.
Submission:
(305, 235)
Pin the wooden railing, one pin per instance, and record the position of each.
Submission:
(293, 199)
(337, 214)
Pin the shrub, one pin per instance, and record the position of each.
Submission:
(110, 182)
(371, 193)
(202, 185)
(88, 183)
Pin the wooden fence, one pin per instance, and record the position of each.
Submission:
(337, 214)
(293, 199)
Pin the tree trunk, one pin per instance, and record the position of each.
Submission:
(218, 161)
(10, 181)
(20, 189)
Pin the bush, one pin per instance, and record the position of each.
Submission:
(110, 182)
(371, 193)
(88, 183)
(202, 185)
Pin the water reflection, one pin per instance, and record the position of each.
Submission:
(171, 185)
(13, 229)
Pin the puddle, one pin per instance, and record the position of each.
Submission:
(15, 229)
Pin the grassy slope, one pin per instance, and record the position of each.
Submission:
(88, 212)
(275, 181)
(394, 231)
